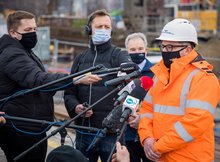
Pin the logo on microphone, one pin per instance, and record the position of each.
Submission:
(131, 101)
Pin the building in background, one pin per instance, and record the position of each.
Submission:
(218, 20)
(67, 18)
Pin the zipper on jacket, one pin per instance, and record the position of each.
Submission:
(93, 64)
(90, 86)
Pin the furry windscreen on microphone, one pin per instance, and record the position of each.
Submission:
(147, 82)
(111, 122)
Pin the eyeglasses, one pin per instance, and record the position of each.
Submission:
(170, 47)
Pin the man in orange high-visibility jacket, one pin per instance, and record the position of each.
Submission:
(177, 114)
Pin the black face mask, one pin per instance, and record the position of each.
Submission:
(137, 57)
(169, 56)
(28, 40)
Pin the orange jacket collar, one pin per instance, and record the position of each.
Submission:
(176, 69)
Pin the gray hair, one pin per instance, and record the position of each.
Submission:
(135, 36)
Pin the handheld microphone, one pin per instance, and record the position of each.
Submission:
(133, 87)
(111, 122)
(127, 90)
(130, 106)
(131, 103)
(122, 79)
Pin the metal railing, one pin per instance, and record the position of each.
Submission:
(56, 44)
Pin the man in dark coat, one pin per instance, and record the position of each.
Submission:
(136, 45)
(101, 51)
(21, 69)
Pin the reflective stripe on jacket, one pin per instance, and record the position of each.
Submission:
(178, 110)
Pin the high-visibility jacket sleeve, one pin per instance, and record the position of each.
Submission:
(146, 114)
(199, 118)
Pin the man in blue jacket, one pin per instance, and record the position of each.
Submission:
(136, 45)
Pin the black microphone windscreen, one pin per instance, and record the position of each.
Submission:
(122, 79)
(141, 89)
(129, 67)
(111, 122)
(138, 92)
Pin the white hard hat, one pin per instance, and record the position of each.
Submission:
(180, 30)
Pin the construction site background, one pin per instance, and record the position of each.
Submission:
(61, 29)
(63, 21)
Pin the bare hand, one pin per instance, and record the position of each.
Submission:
(88, 79)
(2, 119)
(134, 121)
(121, 155)
(79, 108)
(149, 149)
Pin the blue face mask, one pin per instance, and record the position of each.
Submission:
(101, 36)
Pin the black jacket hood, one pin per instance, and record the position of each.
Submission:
(6, 41)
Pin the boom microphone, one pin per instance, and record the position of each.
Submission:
(126, 67)
(119, 80)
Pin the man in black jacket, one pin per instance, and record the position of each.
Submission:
(101, 51)
(21, 69)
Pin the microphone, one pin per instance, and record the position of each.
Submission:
(119, 80)
(127, 67)
(110, 123)
(130, 105)
(127, 90)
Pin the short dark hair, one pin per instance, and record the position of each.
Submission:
(96, 13)
(14, 19)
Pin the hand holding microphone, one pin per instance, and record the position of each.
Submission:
(79, 108)
(133, 120)
(94, 77)
(87, 79)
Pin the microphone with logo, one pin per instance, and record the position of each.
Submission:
(130, 106)
(137, 89)
(111, 123)
(132, 101)
(126, 91)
